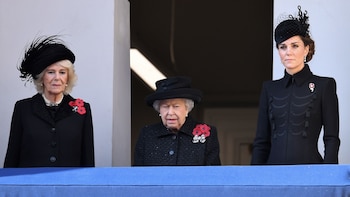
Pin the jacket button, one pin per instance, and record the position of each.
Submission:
(53, 129)
(53, 159)
(171, 152)
(174, 137)
(53, 144)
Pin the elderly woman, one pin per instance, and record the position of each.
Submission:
(294, 109)
(50, 129)
(177, 139)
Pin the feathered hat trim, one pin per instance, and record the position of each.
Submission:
(41, 53)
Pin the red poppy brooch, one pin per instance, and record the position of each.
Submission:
(78, 106)
(200, 132)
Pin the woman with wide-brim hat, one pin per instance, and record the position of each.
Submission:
(177, 139)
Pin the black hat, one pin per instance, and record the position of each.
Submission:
(174, 87)
(41, 53)
(292, 27)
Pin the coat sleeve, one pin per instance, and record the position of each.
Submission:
(139, 148)
(213, 148)
(88, 155)
(262, 142)
(330, 115)
(14, 143)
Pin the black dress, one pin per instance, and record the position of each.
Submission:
(158, 146)
(292, 112)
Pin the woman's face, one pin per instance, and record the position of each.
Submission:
(55, 79)
(173, 112)
(292, 53)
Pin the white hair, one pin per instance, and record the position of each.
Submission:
(188, 102)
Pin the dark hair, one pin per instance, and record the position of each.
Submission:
(296, 26)
(308, 41)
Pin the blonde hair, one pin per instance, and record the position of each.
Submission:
(72, 77)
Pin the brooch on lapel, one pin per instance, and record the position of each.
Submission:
(312, 87)
(200, 132)
(78, 106)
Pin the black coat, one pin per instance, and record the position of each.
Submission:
(37, 139)
(157, 146)
(292, 112)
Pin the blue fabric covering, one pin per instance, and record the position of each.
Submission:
(297, 180)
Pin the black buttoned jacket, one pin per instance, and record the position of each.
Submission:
(37, 139)
(292, 112)
(157, 146)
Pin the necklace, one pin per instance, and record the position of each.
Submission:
(51, 104)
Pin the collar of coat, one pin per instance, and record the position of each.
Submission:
(40, 109)
(298, 78)
(187, 128)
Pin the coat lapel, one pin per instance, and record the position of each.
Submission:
(39, 109)
(65, 109)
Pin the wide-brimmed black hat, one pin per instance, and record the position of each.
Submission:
(174, 87)
(41, 53)
(292, 27)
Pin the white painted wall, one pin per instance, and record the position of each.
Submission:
(98, 33)
(330, 30)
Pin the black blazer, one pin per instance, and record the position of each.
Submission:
(292, 112)
(157, 146)
(37, 139)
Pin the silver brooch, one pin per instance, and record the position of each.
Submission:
(312, 87)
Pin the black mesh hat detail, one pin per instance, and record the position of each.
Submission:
(293, 26)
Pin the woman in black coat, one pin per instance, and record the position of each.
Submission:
(294, 109)
(50, 129)
(177, 139)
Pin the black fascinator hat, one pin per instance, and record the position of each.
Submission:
(174, 87)
(292, 27)
(41, 53)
